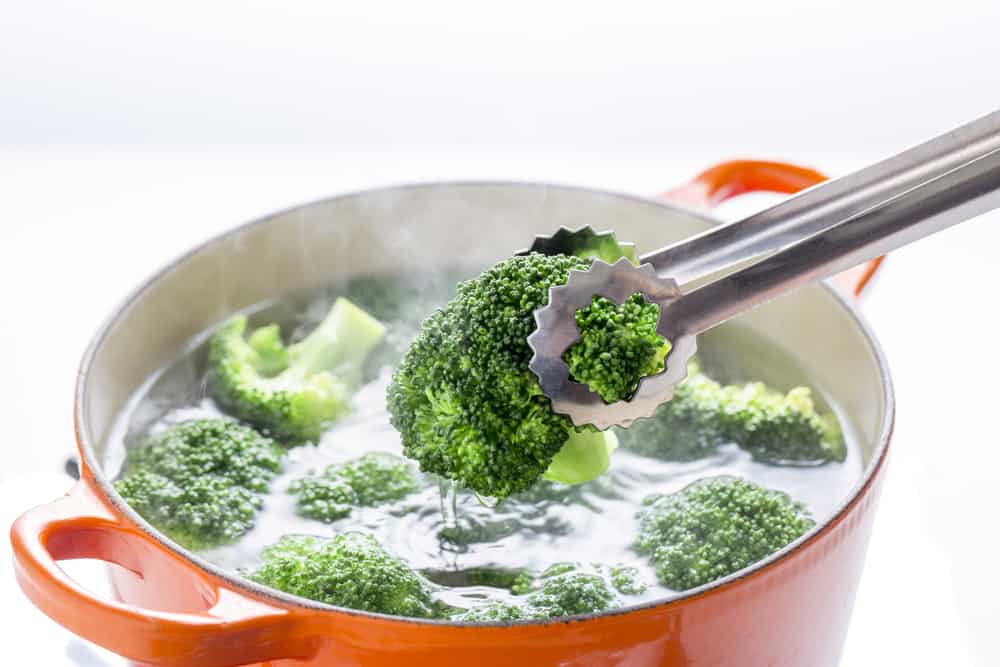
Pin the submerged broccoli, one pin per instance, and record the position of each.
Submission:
(199, 481)
(715, 527)
(292, 392)
(351, 570)
(773, 427)
(564, 589)
(372, 479)
(219, 447)
(514, 580)
(202, 512)
(498, 611)
(570, 594)
(780, 428)
(468, 407)
(686, 428)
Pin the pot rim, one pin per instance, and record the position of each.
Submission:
(91, 468)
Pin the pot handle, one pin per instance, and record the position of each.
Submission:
(736, 177)
(233, 629)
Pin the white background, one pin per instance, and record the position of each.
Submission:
(130, 131)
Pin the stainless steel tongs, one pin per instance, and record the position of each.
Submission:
(809, 237)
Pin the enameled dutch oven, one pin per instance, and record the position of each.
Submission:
(173, 608)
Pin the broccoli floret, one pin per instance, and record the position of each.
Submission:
(202, 512)
(715, 527)
(686, 428)
(464, 400)
(626, 579)
(563, 589)
(372, 479)
(572, 593)
(773, 427)
(351, 570)
(618, 346)
(498, 611)
(236, 453)
(780, 428)
(199, 481)
(515, 580)
(292, 392)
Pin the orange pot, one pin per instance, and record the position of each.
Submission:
(175, 609)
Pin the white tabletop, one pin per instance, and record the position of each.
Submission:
(79, 228)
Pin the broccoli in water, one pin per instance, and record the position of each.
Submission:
(780, 428)
(292, 392)
(468, 407)
(202, 512)
(351, 570)
(372, 479)
(199, 481)
(686, 428)
(564, 589)
(715, 527)
(772, 426)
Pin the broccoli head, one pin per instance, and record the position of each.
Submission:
(618, 346)
(626, 579)
(685, 428)
(222, 448)
(202, 512)
(715, 527)
(514, 580)
(780, 428)
(351, 570)
(371, 479)
(292, 392)
(774, 427)
(529, 512)
(199, 481)
(564, 589)
(498, 611)
(465, 402)
(571, 593)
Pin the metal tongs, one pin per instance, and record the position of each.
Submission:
(814, 235)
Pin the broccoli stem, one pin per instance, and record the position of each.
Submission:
(339, 344)
(585, 456)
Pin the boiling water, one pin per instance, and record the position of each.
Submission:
(593, 522)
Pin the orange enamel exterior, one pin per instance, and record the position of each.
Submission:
(793, 612)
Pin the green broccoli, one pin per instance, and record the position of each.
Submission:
(498, 611)
(219, 447)
(626, 579)
(715, 527)
(465, 402)
(780, 428)
(686, 428)
(200, 481)
(292, 392)
(371, 479)
(351, 570)
(203, 512)
(514, 580)
(564, 589)
(773, 427)
(467, 530)
(612, 356)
